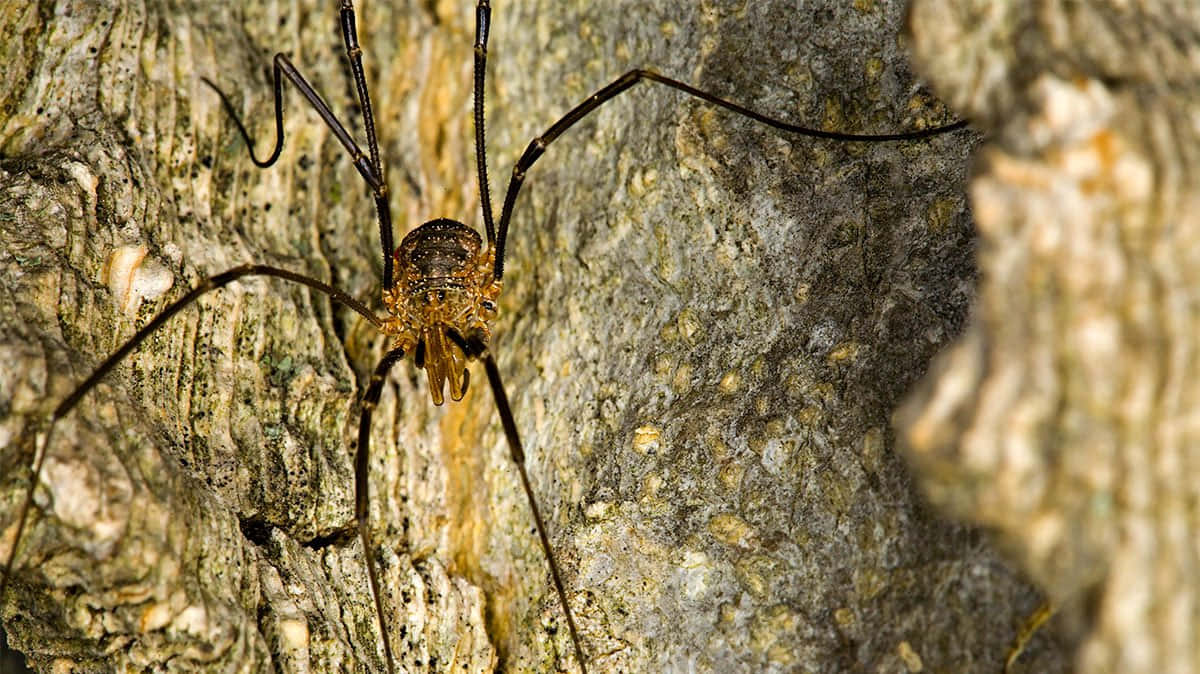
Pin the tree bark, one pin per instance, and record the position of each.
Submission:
(1062, 419)
(705, 329)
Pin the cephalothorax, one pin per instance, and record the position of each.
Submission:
(439, 287)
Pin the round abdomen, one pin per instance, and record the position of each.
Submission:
(437, 251)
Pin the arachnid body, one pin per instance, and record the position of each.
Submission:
(706, 324)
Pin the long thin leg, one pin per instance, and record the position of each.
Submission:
(474, 345)
(365, 165)
(483, 22)
(538, 145)
(354, 53)
(361, 497)
(208, 284)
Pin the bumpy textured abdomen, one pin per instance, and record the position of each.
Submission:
(437, 250)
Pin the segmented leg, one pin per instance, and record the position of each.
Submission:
(623, 83)
(361, 486)
(474, 345)
(365, 165)
(483, 21)
(209, 284)
(382, 207)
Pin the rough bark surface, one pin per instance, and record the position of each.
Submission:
(1064, 419)
(706, 328)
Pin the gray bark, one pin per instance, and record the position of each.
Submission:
(1062, 419)
(705, 329)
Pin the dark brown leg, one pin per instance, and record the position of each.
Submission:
(207, 285)
(483, 21)
(474, 345)
(354, 53)
(365, 165)
(361, 497)
(538, 145)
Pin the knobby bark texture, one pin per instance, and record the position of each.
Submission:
(1064, 418)
(706, 328)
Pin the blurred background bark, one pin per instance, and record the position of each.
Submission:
(1064, 420)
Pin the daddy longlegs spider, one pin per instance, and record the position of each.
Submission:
(461, 340)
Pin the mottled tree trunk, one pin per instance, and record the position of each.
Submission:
(706, 328)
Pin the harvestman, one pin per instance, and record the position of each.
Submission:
(440, 285)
